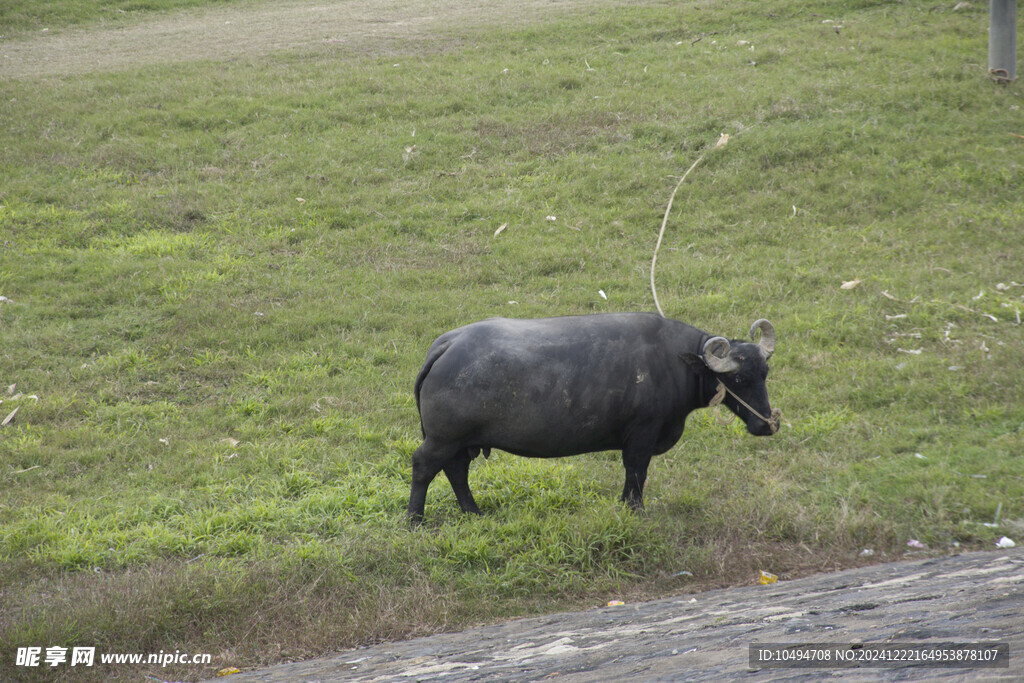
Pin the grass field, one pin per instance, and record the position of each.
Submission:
(221, 277)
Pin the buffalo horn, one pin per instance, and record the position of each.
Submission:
(716, 355)
(767, 343)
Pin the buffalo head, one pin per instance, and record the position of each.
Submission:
(742, 368)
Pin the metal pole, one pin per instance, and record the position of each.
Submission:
(1002, 39)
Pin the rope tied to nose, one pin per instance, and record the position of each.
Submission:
(776, 417)
(716, 400)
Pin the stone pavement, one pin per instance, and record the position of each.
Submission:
(968, 598)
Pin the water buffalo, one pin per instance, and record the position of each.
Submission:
(553, 387)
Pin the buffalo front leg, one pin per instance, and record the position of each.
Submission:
(429, 459)
(457, 471)
(636, 464)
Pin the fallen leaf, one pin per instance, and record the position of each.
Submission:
(9, 418)
(850, 284)
(500, 228)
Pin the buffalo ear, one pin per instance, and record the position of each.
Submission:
(695, 362)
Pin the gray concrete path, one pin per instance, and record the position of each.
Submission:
(969, 598)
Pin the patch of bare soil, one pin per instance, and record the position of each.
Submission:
(246, 30)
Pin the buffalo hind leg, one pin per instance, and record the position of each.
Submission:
(457, 471)
(636, 464)
(429, 459)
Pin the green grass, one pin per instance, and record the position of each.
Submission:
(215, 378)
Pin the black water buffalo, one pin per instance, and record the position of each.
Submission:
(564, 386)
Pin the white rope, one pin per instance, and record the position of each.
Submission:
(722, 141)
(716, 400)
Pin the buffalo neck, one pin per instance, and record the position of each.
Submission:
(707, 383)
